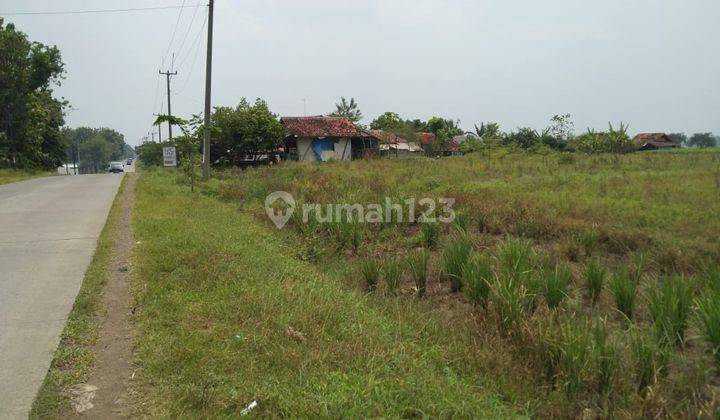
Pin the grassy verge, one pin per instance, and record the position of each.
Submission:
(73, 360)
(228, 315)
(14, 175)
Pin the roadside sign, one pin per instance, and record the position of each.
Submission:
(169, 156)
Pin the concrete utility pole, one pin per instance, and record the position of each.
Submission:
(208, 86)
(167, 75)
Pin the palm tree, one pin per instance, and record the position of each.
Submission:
(347, 110)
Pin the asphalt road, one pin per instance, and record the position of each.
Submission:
(48, 232)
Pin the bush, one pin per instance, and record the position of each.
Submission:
(430, 233)
(392, 273)
(453, 261)
(669, 305)
(417, 262)
(371, 273)
(477, 277)
(594, 278)
(555, 285)
(624, 290)
(708, 306)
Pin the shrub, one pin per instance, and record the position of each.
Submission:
(477, 276)
(430, 233)
(650, 359)
(708, 306)
(453, 261)
(515, 257)
(370, 273)
(392, 273)
(555, 285)
(604, 355)
(417, 262)
(594, 278)
(624, 290)
(669, 305)
(461, 222)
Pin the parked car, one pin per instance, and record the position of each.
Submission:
(129, 161)
(116, 167)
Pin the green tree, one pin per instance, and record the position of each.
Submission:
(95, 153)
(388, 121)
(247, 129)
(678, 138)
(348, 109)
(702, 140)
(30, 118)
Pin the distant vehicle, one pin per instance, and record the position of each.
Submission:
(116, 167)
(129, 161)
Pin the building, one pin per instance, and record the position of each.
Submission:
(391, 145)
(426, 142)
(654, 141)
(321, 139)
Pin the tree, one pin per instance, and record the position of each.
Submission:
(388, 121)
(30, 118)
(97, 147)
(611, 141)
(678, 138)
(702, 140)
(245, 130)
(348, 109)
(444, 129)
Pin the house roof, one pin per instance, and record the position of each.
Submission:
(449, 146)
(319, 126)
(427, 138)
(654, 139)
(385, 137)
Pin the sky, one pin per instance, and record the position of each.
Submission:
(653, 64)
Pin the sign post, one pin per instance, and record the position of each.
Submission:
(169, 156)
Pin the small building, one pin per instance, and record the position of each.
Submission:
(448, 148)
(654, 141)
(391, 145)
(427, 140)
(321, 139)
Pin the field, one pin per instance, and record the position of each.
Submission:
(568, 285)
(14, 175)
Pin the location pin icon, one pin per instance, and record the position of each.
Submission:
(279, 217)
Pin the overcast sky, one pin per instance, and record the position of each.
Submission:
(654, 64)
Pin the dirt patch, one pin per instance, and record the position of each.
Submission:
(113, 349)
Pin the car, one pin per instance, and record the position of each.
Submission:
(116, 167)
(129, 161)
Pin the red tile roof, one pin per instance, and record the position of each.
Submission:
(654, 139)
(427, 138)
(319, 126)
(385, 137)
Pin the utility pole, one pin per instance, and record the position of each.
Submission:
(153, 136)
(167, 75)
(208, 86)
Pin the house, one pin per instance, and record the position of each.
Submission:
(391, 145)
(321, 139)
(426, 142)
(448, 148)
(654, 141)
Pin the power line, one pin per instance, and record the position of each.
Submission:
(197, 48)
(182, 43)
(194, 43)
(81, 12)
(172, 38)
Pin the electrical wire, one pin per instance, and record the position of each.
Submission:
(81, 12)
(189, 29)
(172, 38)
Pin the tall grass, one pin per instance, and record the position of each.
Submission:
(429, 234)
(669, 304)
(574, 350)
(370, 271)
(624, 290)
(453, 261)
(594, 279)
(477, 277)
(391, 274)
(604, 355)
(649, 359)
(555, 285)
(708, 311)
(461, 222)
(516, 258)
(417, 263)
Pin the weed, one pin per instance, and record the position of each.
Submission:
(513, 302)
(453, 261)
(461, 222)
(708, 312)
(669, 303)
(392, 273)
(569, 350)
(515, 257)
(594, 278)
(371, 273)
(430, 233)
(604, 355)
(555, 285)
(624, 290)
(650, 359)
(417, 263)
(477, 276)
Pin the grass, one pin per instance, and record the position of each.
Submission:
(709, 319)
(594, 279)
(73, 359)
(370, 273)
(417, 264)
(216, 298)
(392, 273)
(669, 304)
(454, 259)
(556, 283)
(14, 175)
(477, 277)
(624, 289)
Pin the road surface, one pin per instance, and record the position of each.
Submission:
(48, 231)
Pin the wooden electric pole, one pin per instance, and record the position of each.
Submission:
(167, 75)
(208, 86)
